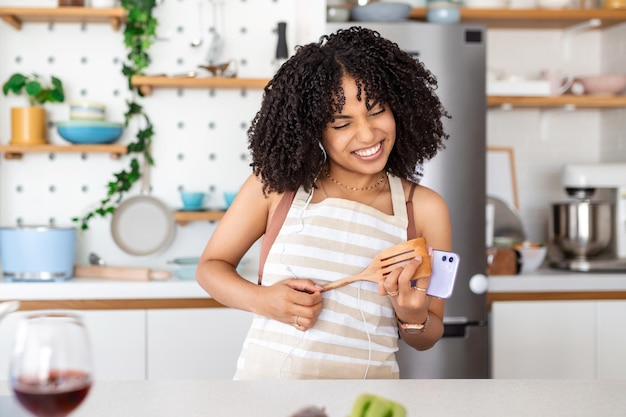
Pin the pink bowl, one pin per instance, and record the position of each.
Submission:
(611, 84)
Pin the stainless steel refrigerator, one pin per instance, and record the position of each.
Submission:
(456, 55)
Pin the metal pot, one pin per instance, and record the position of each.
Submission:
(37, 253)
(581, 228)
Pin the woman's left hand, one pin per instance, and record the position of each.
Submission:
(408, 295)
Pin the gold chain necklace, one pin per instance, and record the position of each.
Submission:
(371, 187)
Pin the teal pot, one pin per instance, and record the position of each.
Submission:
(37, 253)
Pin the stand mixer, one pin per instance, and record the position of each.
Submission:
(588, 233)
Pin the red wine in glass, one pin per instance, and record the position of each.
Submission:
(50, 370)
(60, 394)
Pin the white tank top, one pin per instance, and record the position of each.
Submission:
(356, 334)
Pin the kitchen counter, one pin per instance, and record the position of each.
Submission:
(95, 294)
(484, 398)
(553, 284)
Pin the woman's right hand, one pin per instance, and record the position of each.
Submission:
(297, 302)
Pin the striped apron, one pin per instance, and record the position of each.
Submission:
(355, 335)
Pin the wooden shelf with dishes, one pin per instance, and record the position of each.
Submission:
(17, 151)
(566, 101)
(184, 217)
(16, 16)
(535, 18)
(147, 83)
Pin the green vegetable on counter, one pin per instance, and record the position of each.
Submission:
(369, 405)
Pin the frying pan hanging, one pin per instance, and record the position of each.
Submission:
(142, 225)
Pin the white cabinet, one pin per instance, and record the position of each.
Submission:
(558, 339)
(118, 341)
(195, 343)
(155, 344)
(531, 339)
(611, 333)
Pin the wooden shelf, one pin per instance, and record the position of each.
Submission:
(566, 101)
(16, 151)
(184, 217)
(16, 16)
(534, 18)
(147, 83)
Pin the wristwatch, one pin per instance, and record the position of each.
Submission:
(413, 328)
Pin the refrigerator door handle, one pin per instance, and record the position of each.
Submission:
(458, 326)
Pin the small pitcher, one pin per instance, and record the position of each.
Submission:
(560, 81)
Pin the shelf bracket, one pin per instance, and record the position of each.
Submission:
(13, 155)
(571, 31)
(116, 23)
(13, 21)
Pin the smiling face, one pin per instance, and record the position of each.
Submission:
(360, 138)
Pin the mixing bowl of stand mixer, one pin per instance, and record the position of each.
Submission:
(588, 233)
(581, 228)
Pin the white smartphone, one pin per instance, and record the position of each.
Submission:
(445, 266)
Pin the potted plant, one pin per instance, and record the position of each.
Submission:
(28, 124)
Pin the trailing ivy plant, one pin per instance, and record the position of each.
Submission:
(139, 35)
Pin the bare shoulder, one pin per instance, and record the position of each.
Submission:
(252, 195)
(431, 216)
(424, 196)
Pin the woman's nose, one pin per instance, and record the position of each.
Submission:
(365, 131)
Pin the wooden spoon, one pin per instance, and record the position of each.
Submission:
(387, 260)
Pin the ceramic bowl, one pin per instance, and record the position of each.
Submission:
(89, 131)
(229, 196)
(337, 14)
(86, 110)
(381, 12)
(192, 199)
(443, 12)
(611, 84)
(532, 257)
(486, 4)
(554, 4)
(186, 268)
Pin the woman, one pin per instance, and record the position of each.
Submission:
(337, 147)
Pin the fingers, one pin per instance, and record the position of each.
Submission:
(304, 285)
(304, 304)
(401, 282)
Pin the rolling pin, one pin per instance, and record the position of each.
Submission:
(120, 273)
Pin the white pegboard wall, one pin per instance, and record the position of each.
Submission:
(200, 135)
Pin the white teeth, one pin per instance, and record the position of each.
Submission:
(369, 152)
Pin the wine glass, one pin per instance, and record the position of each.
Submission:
(50, 370)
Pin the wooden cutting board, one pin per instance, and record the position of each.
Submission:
(120, 273)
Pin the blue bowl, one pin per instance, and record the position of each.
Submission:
(89, 131)
(229, 196)
(192, 199)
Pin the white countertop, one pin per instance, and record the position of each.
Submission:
(553, 280)
(546, 280)
(432, 398)
(85, 288)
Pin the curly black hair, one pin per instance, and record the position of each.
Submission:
(305, 94)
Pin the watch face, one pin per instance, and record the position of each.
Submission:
(413, 328)
(413, 331)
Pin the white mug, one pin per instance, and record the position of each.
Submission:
(560, 81)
